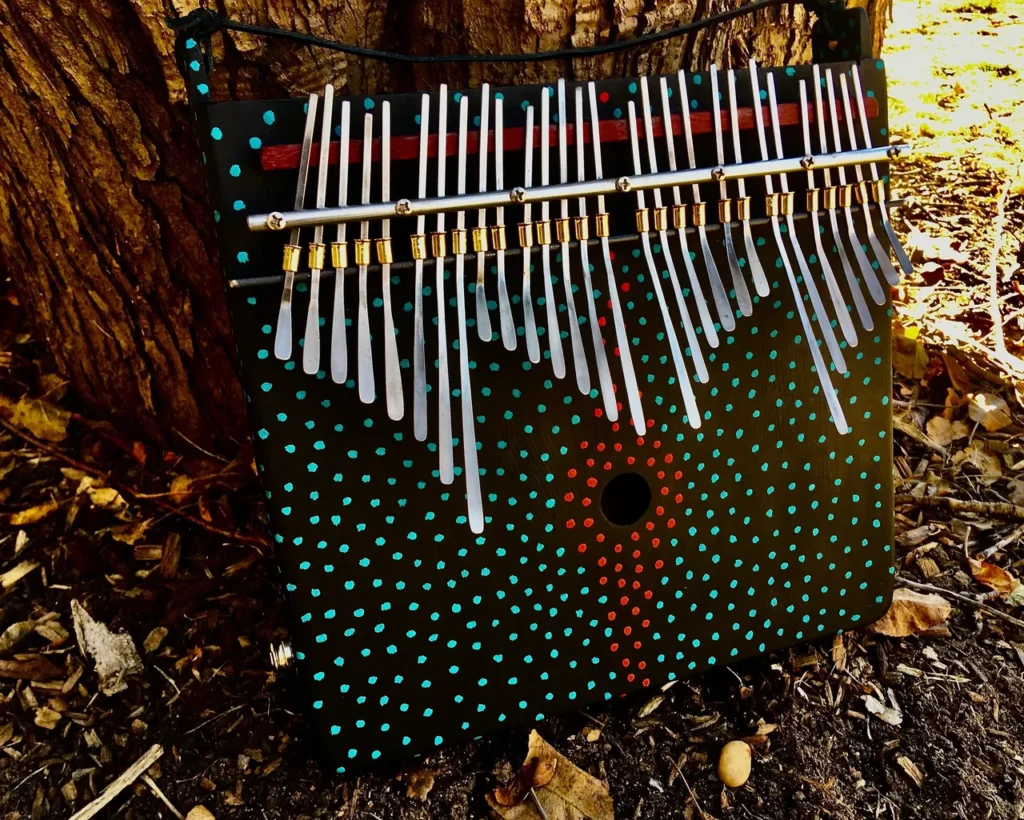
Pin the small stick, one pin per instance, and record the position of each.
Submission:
(1002, 508)
(156, 790)
(967, 599)
(129, 776)
(704, 815)
(537, 805)
(993, 268)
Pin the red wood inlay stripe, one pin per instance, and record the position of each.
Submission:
(286, 157)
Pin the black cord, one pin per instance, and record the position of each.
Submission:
(203, 23)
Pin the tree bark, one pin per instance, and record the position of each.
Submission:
(104, 228)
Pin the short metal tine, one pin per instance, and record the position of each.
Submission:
(866, 271)
(446, 457)
(699, 366)
(707, 323)
(881, 253)
(317, 255)
(529, 320)
(364, 352)
(636, 409)
(718, 292)
(857, 293)
(689, 400)
(553, 333)
(392, 367)
(483, 319)
(883, 209)
(472, 470)
(738, 282)
(604, 376)
(283, 333)
(339, 329)
(508, 326)
(753, 261)
(838, 418)
(419, 365)
(838, 300)
(824, 322)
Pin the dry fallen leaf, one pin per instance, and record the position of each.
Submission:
(200, 813)
(40, 418)
(988, 464)
(911, 769)
(993, 577)
(944, 432)
(569, 793)
(990, 411)
(910, 612)
(15, 634)
(418, 784)
(115, 655)
(154, 639)
(33, 515)
(881, 711)
(650, 706)
(909, 356)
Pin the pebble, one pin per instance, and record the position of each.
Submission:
(734, 764)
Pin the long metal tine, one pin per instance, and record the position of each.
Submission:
(738, 283)
(888, 271)
(339, 329)
(812, 287)
(707, 323)
(851, 278)
(529, 320)
(364, 352)
(636, 409)
(392, 368)
(867, 272)
(311, 343)
(897, 247)
(554, 334)
(838, 300)
(578, 356)
(717, 288)
(753, 261)
(483, 319)
(473, 498)
(283, 334)
(689, 400)
(508, 327)
(446, 458)
(699, 366)
(604, 376)
(812, 343)
(419, 365)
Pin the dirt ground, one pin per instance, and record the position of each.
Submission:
(928, 726)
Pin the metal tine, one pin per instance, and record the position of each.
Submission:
(738, 282)
(812, 287)
(529, 320)
(888, 271)
(508, 327)
(717, 288)
(684, 247)
(866, 271)
(283, 334)
(851, 279)
(473, 499)
(446, 459)
(897, 247)
(553, 333)
(699, 366)
(636, 409)
(364, 353)
(339, 331)
(483, 319)
(604, 376)
(756, 271)
(578, 356)
(392, 368)
(689, 399)
(805, 322)
(838, 300)
(419, 365)
(311, 343)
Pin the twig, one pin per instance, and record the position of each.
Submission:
(993, 268)
(215, 717)
(130, 775)
(704, 815)
(967, 599)
(163, 797)
(991, 508)
(537, 805)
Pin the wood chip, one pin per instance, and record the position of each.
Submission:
(911, 770)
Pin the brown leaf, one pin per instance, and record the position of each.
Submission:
(154, 639)
(988, 464)
(33, 515)
(418, 784)
(990, 411)
(993, 577)
(40, 418)
(909, 613)
(15, 634)
(16, 573)
(30, 667)
(909, 356)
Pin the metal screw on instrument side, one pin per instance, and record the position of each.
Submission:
(807, 163)
(894, 152)
(718, 173)
(281, 655)
(623, 185)
(517, 194)
(275, 221)
(403, 207)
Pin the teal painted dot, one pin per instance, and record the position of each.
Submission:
(242, 257)
(632, 88)
(269, 118)
(255, 143)
(203, 89)
(368, 104)
(216, 133)
(235, 170)
(238, 205)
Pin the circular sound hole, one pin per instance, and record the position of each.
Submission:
(625, 499)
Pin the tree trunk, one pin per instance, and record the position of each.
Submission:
(105, 230)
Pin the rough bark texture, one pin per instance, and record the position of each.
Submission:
(103, 223)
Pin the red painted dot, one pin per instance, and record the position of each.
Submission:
(639, 568)
(664, 490)
(630, 677)
(623, 600)
(611, 616)
(614, 646)
(624, 287)
(668, 459)
(603, 96)
(607, 465)
(618, 547)
(581, 548)
(618, 567)
(630, 460)
(645, 624)
(661, 475)
(647, 682)
(650, 462)
(598, 412)
(627, 631)
(679, 474)
(618, 447)
(586, 501)
(650, 526)
(602, 561)
(625, 662)
(637, 645)
(659, 510)
(600, 538)
(648, 595)
(591, 482)
(657, 564)
(657, 444)
(568, 496)
(679, 498)
(570, 523)
(635, 536)
(636, 610)
(589, 522)
(590, 462)
(572, 473)
(655, 542)
(671, 522)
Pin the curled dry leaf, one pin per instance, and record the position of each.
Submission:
(909, 613)
(882, 712)
(988, 464)
(41, 419)
(944, 432)
(115, 655)
(33, 515)
(909, 356)
(911, 769)
(990, 411)
(993, 577)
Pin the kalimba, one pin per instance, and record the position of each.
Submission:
(600, 395)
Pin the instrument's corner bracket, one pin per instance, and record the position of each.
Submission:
(839, 34)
